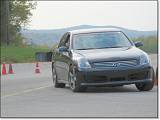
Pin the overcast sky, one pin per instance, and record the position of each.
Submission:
(138, 15)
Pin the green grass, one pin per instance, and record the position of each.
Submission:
(14, 54)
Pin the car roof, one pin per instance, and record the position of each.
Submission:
(79, 31)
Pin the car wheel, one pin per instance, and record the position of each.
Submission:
(55, 81)
(146, 86)
(75, 84)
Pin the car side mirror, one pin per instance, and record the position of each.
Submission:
(49, 56)
(138, 44)
(63, 49)
(43, 56)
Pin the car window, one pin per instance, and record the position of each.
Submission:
(67, 41)
(100, 40)
(62, 41)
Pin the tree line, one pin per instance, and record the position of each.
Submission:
(15, 15)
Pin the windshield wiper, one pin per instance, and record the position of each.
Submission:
(100, 48)
(110, 47)
(85, 48)
(115, 47)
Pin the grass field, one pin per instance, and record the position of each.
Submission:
(13, 54)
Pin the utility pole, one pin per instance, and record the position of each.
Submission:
(4, 24)
(7, 16)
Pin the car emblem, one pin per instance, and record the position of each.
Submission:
(116, 64)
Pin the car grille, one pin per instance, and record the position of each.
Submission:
(96, 78)
(117, 79)
(115, 64)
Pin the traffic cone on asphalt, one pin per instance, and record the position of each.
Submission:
(4, 69)
(37, 70)
(10, 71)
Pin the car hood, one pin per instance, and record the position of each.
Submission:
(110, 54)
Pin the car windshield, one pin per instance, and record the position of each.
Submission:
(100, 40)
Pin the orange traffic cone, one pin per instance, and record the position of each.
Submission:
(37, 65)
(10, 71)
(4, 69)
(37, 70)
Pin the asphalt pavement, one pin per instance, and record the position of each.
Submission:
(26, 94)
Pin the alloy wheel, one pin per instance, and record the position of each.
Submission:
(72, 80)
(54, 76)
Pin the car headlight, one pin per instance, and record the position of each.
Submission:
(144, 59)
(83, 63)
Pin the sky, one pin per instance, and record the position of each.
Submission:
(137, 15)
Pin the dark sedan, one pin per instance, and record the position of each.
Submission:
(100, 57)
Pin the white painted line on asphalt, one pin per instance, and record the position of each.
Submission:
(25, 91)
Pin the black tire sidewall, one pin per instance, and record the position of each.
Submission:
(147, 85)
(54, 80)
(78, 87)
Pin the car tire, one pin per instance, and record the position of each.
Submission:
(147, 85)
(55, 81)
(74, 83)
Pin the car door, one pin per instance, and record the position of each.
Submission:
(58, 59)
(61, 62)
(65, 59)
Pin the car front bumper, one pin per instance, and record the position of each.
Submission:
(115, 77)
